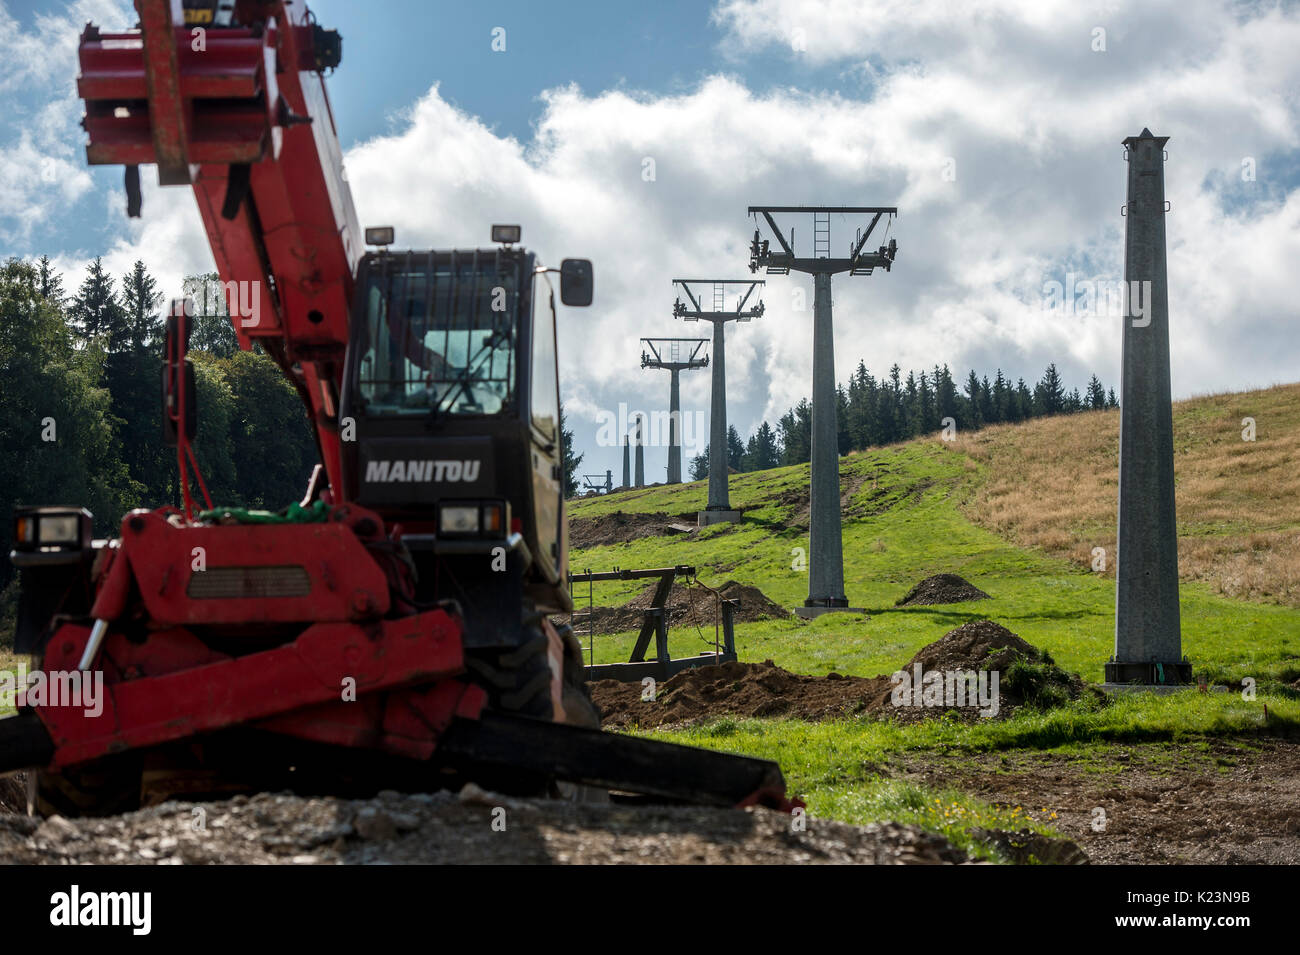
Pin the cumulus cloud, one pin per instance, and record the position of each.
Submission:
(1027, 100)
(42, 168)
(994, 128)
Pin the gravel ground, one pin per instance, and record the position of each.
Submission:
(472, 827)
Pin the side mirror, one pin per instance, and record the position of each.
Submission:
(577, 282)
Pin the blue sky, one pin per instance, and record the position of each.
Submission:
(394, 50)
(994, 127)
(658, 47)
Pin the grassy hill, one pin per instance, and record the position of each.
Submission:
(1016, 510)
(1051, 484)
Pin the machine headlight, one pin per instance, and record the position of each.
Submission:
(52, 528)
(59, 530)
(458, 519)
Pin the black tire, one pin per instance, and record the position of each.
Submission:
(579, 708)
(517, 680)
(102, 788)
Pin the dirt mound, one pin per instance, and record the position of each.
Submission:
(733, 689)
(621, 528)
(688, 605)
(754, 604)
(444, 828)
(941, 589)
(1025, 675)
(979, 645)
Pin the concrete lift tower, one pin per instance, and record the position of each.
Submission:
(719, 506)
(683, 354)
(639, 476)
(826, 554)
(1148, 632)
(627, 452)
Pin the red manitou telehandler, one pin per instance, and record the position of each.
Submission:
(391, 629)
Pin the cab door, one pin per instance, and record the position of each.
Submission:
(546, 444)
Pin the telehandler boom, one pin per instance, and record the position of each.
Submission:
(391, 629)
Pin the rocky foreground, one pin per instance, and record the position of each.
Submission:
(472, 827)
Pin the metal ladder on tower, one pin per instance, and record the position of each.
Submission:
(719, 296)
(821, 235)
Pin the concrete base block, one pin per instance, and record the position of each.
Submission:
(1149, 674)
(808, 613)
(705, 518)
(1162, 689)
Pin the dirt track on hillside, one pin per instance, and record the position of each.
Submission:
(621, 528)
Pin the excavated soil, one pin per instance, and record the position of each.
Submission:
(765, 689)
(981, 644)
(941, 589)
(622, 528)
(734, 689)
(474, 827)
(1231, 802)
(689, 605)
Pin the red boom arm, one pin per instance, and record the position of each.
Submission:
(240, 113)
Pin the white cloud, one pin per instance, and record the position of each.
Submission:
(1031, 114)
(42, 166)
(1013, 94)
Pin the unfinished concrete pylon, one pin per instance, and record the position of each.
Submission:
(1148, 637)
(639, 477)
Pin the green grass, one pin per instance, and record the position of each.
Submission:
(907, 527)
(904, 522)
(842, 768)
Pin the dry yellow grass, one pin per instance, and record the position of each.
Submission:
(1053, 483)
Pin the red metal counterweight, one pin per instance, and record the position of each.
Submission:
(176, 688)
